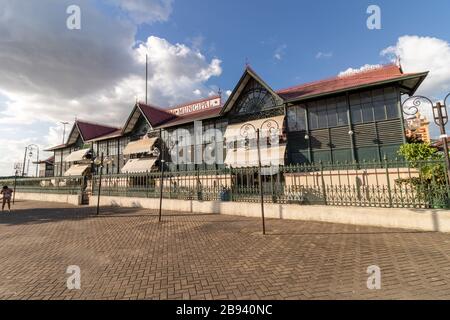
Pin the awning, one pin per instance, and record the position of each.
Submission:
(77, 170)
(241, 130)
(139, 146)
(138, 165)
(241, 157)
(76, 155)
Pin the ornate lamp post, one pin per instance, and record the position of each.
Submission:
(100, 164)
(410, 108)
(29, 150)
(17, 167)
(156, 153)
(246, 131)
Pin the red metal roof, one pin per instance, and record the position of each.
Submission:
(381, 74)
(155, 115)
(90, 130)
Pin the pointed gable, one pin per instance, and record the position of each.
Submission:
(248, 79)
(154, 116)
(88, 131)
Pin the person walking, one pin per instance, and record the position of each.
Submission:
(6, 193)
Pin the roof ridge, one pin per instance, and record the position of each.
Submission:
(96, 124)
(354, 75)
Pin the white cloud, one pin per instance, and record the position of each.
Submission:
(146, 11)
(324, 55)
(418, 54)
(50, 74)
(280, 51)
(228, 93)
(364, 68)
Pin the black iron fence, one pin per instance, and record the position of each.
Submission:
(57, 185)
(389, 184)
(369, 184)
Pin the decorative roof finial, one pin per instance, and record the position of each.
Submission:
(247, 62)
(398, 61)
(219, 93)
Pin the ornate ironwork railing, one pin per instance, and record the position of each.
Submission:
(57, 185)
(390, 184)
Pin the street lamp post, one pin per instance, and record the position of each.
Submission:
(410, 108)
(247, 131)
(261, 191)
(100, 164)
(30, 154)
(16, 172)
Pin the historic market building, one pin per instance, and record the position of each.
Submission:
(348, 118)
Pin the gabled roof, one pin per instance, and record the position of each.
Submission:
(155, 115)
(50, 160)
(373, 77)
(89, 130)
(246, 76)
(115, 134)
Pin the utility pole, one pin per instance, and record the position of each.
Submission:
(24, 162)
(64, 131)
(146, 78)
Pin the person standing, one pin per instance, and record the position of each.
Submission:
(6, 193)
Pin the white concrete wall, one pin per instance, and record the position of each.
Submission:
(415, 219)
(50, 197)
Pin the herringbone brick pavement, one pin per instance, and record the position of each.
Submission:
(127, 254)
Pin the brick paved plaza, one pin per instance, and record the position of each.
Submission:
(127, 254)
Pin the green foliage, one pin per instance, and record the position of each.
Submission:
(431, 184)
(415, 152)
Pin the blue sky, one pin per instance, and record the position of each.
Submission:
(234, 30)
(49, 73)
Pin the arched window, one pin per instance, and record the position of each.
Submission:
(254, 100)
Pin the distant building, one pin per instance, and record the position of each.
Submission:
(423, 131)
(46, 167)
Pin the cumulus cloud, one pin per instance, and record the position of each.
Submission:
(418, 54)
(365, 67)
(50, 74)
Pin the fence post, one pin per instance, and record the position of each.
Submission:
(146, 182)
(324, 191)
(15, 184)
(386, 164)
(231, 184)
